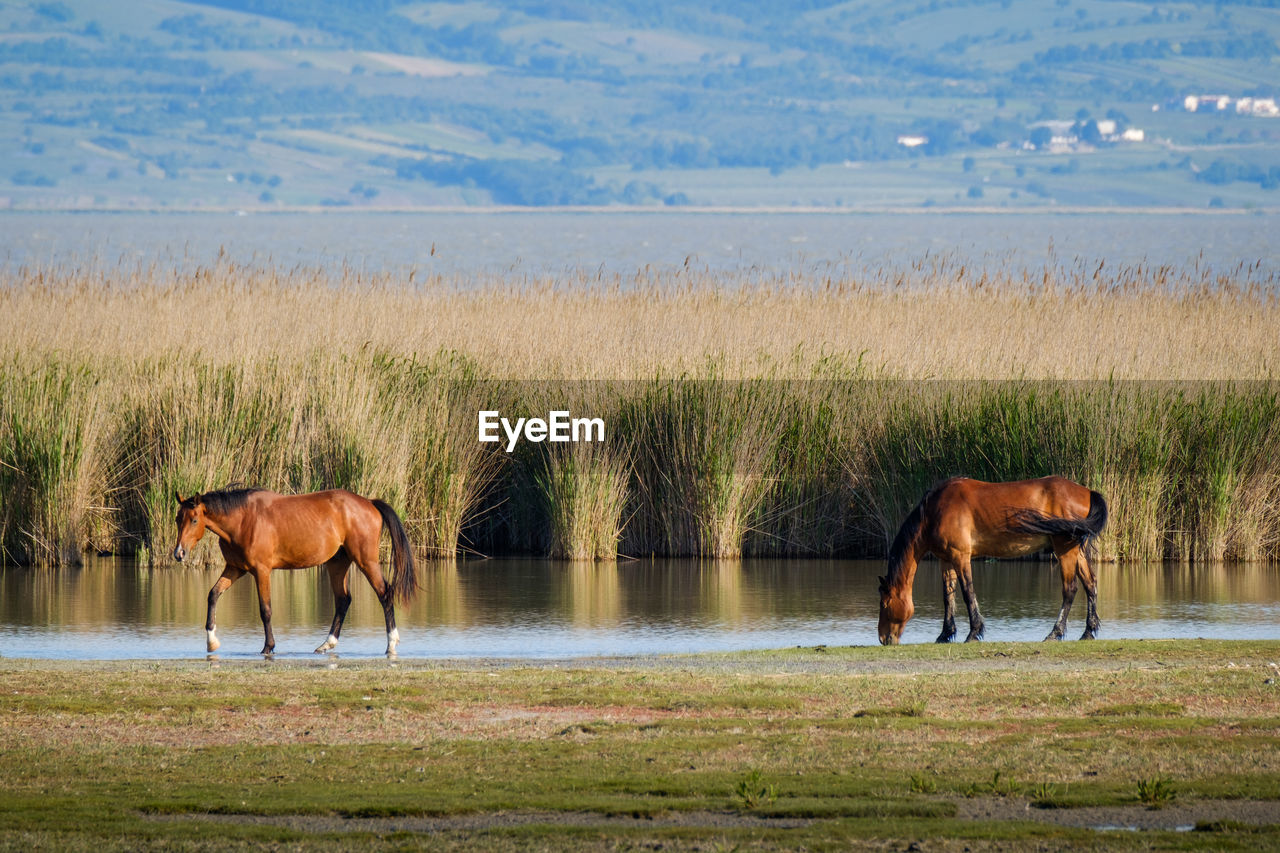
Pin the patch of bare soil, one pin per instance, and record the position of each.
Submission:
(1174, 816)
(493, 820)
(1180, 816)
(296, 724)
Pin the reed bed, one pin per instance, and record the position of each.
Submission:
(932, 319)
(780, 416)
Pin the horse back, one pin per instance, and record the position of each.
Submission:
(978, 517)
(296, 531)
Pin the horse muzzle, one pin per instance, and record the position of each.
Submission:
(179, 553)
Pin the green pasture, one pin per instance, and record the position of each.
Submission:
(826, 748)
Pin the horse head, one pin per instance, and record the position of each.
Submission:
(896, 609)
(191, 524)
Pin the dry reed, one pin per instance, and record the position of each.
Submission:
(935, 320)
(755, 428)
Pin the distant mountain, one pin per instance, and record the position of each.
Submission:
(267, 104)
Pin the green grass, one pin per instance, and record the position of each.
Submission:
(713, 749)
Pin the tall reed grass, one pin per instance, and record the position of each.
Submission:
(773, 418)
(932, 319)
(52, 489)
(584, 489)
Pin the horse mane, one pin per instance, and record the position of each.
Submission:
(230, 497)
(902, 543)
(908, 532)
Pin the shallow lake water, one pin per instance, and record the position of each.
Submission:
(463, 246)
(529, 608)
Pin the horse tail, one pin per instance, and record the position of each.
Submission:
(404, 577)
(1084, 531)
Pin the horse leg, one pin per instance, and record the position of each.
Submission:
(948, 604)
(367, 560)
(263, 577)
(1090, 581)
(337, 569)
(230, 575)
(1068, 556)
(977, 627)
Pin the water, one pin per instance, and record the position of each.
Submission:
(527, 608)
(462, 245)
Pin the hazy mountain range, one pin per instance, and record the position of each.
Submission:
(279, 104)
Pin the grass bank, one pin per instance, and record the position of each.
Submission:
(797, 416)
(992, 747)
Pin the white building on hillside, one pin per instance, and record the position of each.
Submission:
(1258, 107)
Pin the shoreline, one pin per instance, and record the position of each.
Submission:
(712, 210)
(1029, 656)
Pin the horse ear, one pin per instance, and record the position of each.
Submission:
(884, 584)
(177, 495)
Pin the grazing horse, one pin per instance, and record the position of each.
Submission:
(962, 518)
(260, 531)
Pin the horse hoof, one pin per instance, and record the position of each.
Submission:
(269, 652)
(1053, 635)
(973, 638)
(213, 643)
(1088, 635)
(327, 645)
(945, 638)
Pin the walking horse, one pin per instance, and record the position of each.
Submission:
(260, 532)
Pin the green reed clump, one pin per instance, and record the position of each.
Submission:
(51, 480)
(354, 432)
(1229, 482)
(569, 500)
(1156, 793)
(584, 488)
(1130, 439)
(808, 507)
(450, 471)
(996, 431)
(374, 425)
(705, 453)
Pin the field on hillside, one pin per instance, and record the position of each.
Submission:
(238, 105)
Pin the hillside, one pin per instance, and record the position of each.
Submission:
(266, 104)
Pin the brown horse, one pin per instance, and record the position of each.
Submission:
(260, 531)
(962, 518)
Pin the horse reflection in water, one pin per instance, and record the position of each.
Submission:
(261, 531)
(963, 518)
